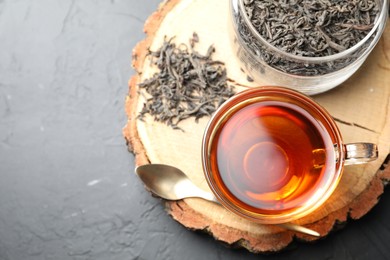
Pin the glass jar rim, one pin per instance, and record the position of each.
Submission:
(382, 17)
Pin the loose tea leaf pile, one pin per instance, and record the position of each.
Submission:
(312, 28)
(187, 84)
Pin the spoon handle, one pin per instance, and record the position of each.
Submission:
(288, 226)
(207, 196)
(298, 228)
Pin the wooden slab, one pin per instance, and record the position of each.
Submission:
(361, 107)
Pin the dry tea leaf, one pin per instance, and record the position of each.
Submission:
(187, 84)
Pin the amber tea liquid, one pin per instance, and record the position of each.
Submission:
(271, 157)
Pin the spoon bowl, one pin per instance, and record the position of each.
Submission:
(170, 183)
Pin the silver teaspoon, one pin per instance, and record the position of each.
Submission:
(171, 183)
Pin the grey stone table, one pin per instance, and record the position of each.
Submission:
(67, 188)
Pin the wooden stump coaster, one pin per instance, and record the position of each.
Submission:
(360, 106)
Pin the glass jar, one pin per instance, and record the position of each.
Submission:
(264, 62)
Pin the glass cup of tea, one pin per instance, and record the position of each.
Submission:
(273, 155)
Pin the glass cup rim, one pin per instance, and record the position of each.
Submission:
(382, 17)
(212, 128)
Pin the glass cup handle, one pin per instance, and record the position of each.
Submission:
(357, 153)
